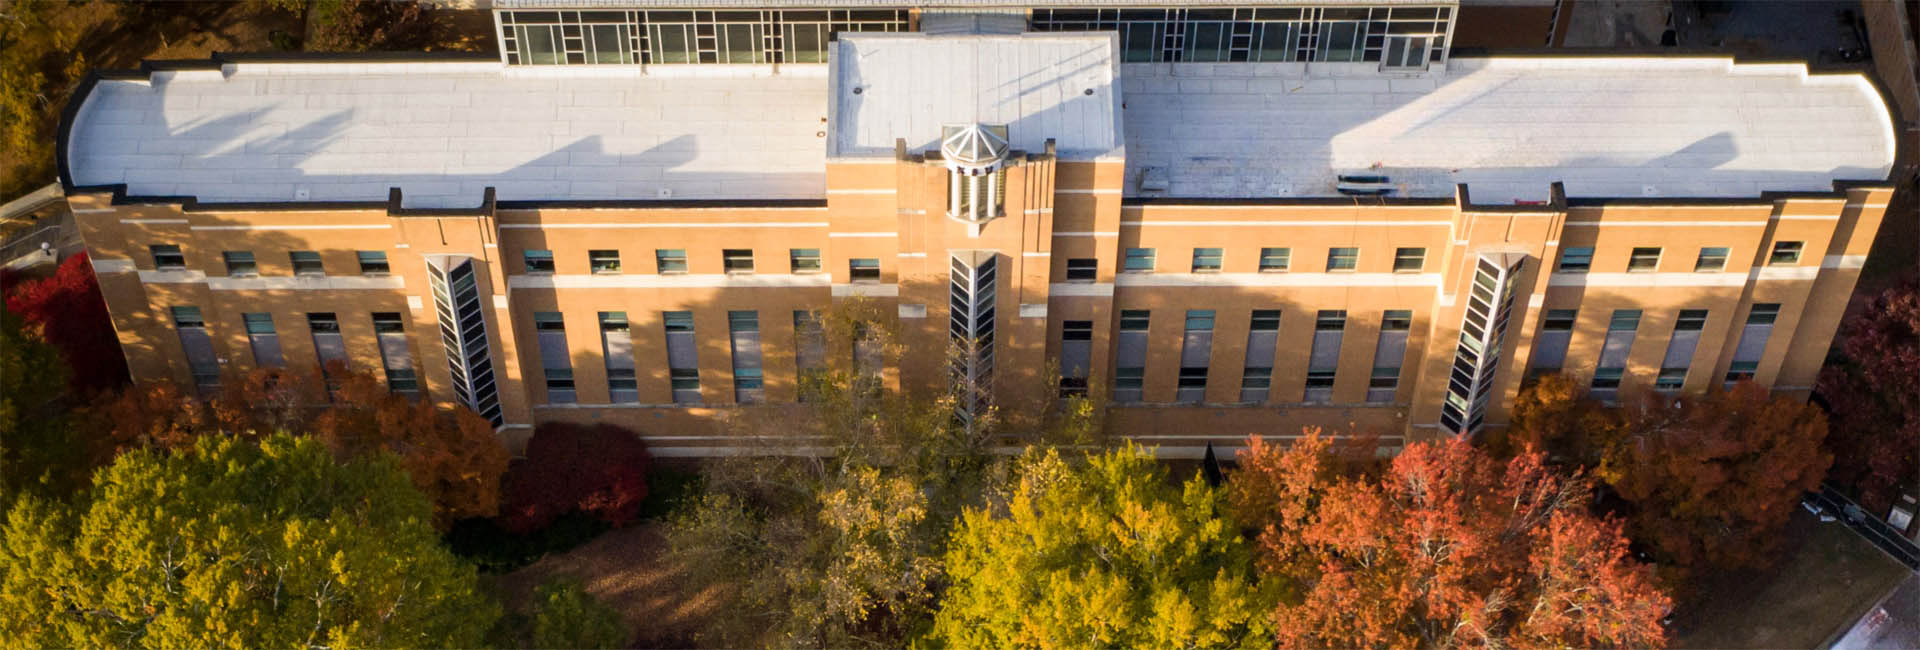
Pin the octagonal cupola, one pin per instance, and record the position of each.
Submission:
(975, 156)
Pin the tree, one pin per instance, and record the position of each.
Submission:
(600, 470)
(36, 449)
(69, 312)
(370, 25)
(236, 544)
(1446, 548)
(38, 62)
(566, 616)
(1873, 397)
(1106, 554)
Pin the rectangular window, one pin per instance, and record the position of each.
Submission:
(1275, 260)
(1323, 361)
(1342, 259)
(391, 334)
(809, 350)
(604, 262)
(538, 261)
(167, 257)
(1621, 329)
(1670, 379)
(804, 260)
(1130, 360)
(737, 260)
(1644, 260)
(1550, 345)
(682, 357)
(1576, 259)
(263, 339)
(1139, 260)
(1409, 260)
(198, 347)
(328, 347)
(1083, 270)
(1711, 259)
(1680, 349)
(1196, 354)
(616, 345)
(671, 260)
(240, 263)
(556, 359)
(307, 263)
(1263, 332)
(1206, 260)
(743, 330)
(864, 270)
(1389, 355)
(1753, 342)
(187, 317)
(1076, 353)
(372, 262)
(1786, 253)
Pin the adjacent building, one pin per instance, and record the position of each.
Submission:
(1219, 220)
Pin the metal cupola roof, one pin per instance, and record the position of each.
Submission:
(974, 147)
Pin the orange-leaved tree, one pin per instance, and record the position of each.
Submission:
(1447, 547)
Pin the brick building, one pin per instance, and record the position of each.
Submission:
(1221, 220)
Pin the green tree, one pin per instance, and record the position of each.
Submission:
(1105, 554)
(566, 616)
(233, 544)
(36, 448)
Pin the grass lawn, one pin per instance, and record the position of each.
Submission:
(1825, 578)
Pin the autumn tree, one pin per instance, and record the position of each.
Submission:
(566, 616)
(69, 312)
(1447, 547)
(36, 448)
(237, 544)
(1105, 553)
(600, 470)
(1873, 397)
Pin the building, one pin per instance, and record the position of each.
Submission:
(1224, 220)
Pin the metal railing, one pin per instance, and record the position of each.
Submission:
(1829, 501)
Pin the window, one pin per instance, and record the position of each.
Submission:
(198, 347)
(391, 334)
(1196, 355)
(187, 317)
(327, 344)
(1082, 269)
(263, 339)
(372, 262)
(548, 321)
(864, 270)
(1763, 313)
(538, 261)
(1680, 349)
(603, 262)
(1275, 260)
(1342, 259)
(556, 358)
(1206, 260)
(809, 351)
(1130, 360)
(1644, 260)
(1621, 329)
(1263, 331)
(1576, 259)
(167, 257)
(804, 260)
(1396, 37)
(1254, 383)
(1753, 342)
(307, 263)
(1388, 355)
(1691, 320)
(1560, 319)
(1409, 260)
(743, 330)
(1711, 259)
(1550, 345)
(1323, 361)
(1670, 379)
(1139, 260)
(533, 37)
(1134, 320)
(1624, 320)
(671, 260)
(1330, 319)
(737, 260)
(463, 334)
(616, 344)
(1786, 253)
(1076, 352)
(682, 357)
(240, 263)
(387, 322)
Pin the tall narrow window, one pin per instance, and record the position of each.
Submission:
(1576, 259)
(864, 270)
(1483, 331)
(460, 307)
(1076, 354)
(197, 346)
(1409, 260)
(307, 263)
(1206, 260)
(671, 260)
(263, 339)
(804, 260)
(1081, 270)
(1711, 259)
(603, 262)
(167, 257)
(240, 264)
(539, 262)
(1753, 342)
(1786, 253)
(809, 351)
(683, 366)
(1686, 337)
(391, 334)
(1550, 345)
(1389, 354)
(1256, 377)
(328, 347)
(1196, 353)
(743, 330)
(1130, 359)
(1343, 259)
(1275, 260)
(372, 262)
(556, 360)
(737, 260)
(1644, 260)
(1323, 362)
(1613, 353)
(1139, 260)
(616, 344)
(972, 289)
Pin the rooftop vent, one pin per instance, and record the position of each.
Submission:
(1364, 185)
(1154, 179)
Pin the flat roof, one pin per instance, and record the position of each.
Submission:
(1608, 127)
(442, 132)
(1058, 85)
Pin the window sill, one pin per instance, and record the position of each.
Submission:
(1273, 270)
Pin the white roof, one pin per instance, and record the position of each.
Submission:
(1608, 127)
(445, 131)
(1041, 85)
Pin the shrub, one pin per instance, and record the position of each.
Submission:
(600, 470)
(566, 616)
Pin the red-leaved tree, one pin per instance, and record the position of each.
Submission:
(68, 311)
(1447, 547)
(600, 470)
(1874, 397)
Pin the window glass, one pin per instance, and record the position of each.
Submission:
(1711, 259)
(1342, 259)
(805, 260)
(671, 260)
(1576, 259)
(307, 263)
(1644, 259)
(538, 261)
(372, 262)
(1275, 259)
(1409, 259)
(1206, 260)
(240, 263)
(604, 261)
(1786, 253)
(1139, 260)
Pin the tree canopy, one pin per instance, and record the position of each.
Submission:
(35, 444)
(68, 311)
(1109, 553)
(1447, 547)
(234, 544)
(1874, 397)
